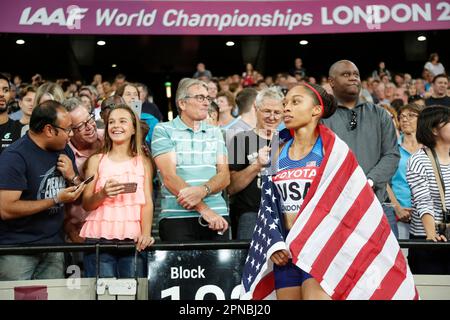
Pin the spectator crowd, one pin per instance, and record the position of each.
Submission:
(205, 165)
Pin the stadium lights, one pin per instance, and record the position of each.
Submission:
(101, 43)
(303, 42)
(168, 86)
(421, 38)
(229, 43)
(20, 41)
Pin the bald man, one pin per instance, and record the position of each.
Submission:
(367, 129)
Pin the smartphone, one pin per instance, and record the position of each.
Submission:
(86, 181)
(137, 107)
(89, 179)
(130, 187)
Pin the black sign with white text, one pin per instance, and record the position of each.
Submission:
(195, 274)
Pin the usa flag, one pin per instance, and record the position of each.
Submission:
(341, 235)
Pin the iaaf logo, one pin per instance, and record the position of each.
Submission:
(71, 17)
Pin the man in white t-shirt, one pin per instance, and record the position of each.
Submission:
(434, 66)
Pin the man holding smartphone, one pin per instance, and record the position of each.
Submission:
(37, 177)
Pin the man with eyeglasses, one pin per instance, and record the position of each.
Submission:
(192, 163)
(37, 177)
(367, 129)
(85, 141)
(248, 153)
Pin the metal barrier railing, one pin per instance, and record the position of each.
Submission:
(233, 244)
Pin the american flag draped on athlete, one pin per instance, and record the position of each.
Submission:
(342, 237)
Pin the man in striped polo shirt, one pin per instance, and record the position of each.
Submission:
(191, 158)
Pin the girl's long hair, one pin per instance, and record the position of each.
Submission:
(136, 139)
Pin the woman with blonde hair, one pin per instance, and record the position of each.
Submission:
(46, 91)
(49, 91)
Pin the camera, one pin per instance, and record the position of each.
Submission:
(443, 227)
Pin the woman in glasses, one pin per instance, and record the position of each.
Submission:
(398, 190)
(319, 217)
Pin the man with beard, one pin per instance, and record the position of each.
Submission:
(367, 129)
(9, 129)
(37, 177)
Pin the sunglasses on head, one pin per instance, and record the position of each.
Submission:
(353, 121)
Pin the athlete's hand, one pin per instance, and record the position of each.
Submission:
(280, 257)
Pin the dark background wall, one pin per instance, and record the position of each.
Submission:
(156, 59)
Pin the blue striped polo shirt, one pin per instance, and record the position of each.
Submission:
(196, 159)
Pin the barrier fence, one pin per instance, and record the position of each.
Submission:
(180, 271)
(207, 245)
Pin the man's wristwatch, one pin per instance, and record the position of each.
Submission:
(207, 189)
(55, 200)
(72, 181)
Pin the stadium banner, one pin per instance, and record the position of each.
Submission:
(221, 17)
(195, 274)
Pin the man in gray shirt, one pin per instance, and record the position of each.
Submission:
(367, 129)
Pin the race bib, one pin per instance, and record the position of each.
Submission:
(293, 185)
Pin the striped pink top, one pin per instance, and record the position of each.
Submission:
(117, 217)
